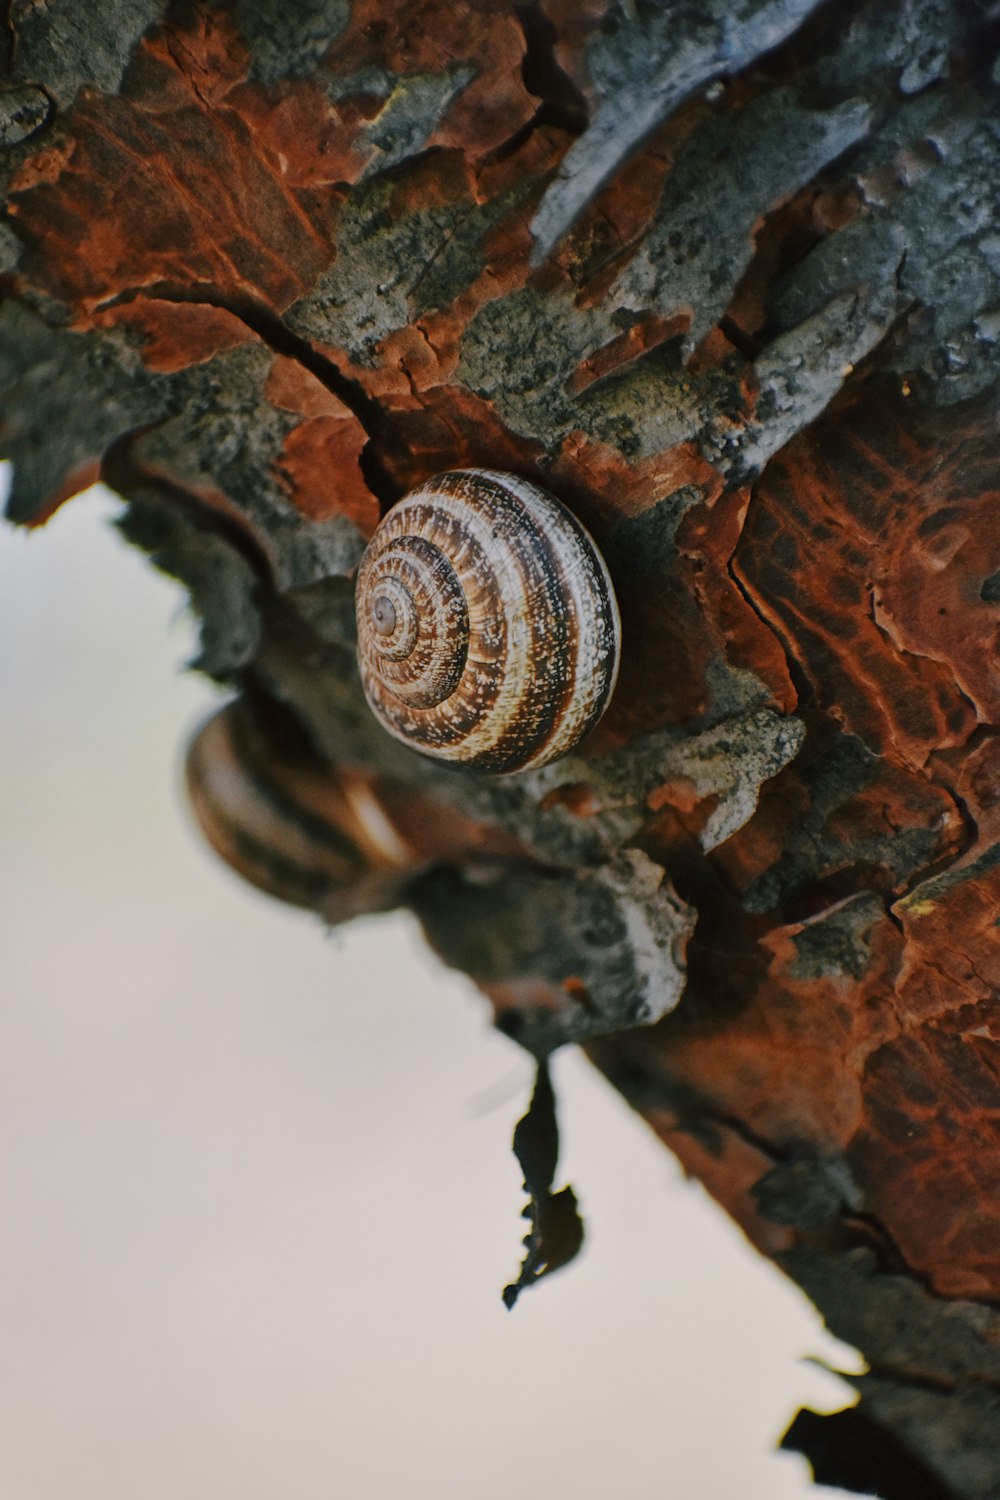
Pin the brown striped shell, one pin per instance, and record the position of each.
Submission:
(488, 630)
(334, 838)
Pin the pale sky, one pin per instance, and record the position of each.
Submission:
(258, 1201)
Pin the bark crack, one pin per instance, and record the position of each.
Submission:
(273, 331)
(796, 668)
(563, 105)
(941, 867)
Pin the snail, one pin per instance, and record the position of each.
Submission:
(488, 629)
(335, 838)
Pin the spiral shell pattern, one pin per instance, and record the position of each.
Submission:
(488, 630)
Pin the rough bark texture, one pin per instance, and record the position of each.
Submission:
(726, 279)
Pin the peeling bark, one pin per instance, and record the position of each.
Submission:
(727, 280)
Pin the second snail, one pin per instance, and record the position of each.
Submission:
(488, 629)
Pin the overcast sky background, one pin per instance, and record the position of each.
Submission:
(258, 1199)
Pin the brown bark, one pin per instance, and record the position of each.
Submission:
(725, 279)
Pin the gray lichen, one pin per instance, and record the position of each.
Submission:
(98, 394)
(23, 112)
(643, 64)
(609, 941)
(413, 107)
(67, 46)
(723, 182)
(834, 944)
(287, 41)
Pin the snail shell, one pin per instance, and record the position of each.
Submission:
(334, 838)
(488, 630)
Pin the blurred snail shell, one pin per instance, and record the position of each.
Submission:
(334, 838)
(488, 630)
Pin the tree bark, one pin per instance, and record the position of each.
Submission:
(726, 279)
